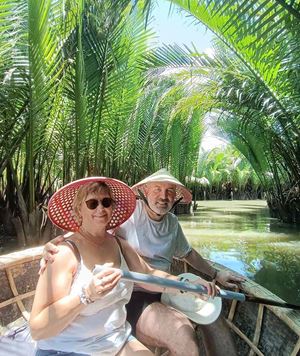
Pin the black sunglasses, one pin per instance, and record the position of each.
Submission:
(92, 204)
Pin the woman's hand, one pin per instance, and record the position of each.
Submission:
(102, 283)
(49, 251)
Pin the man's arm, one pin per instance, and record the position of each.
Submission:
(195, 260)
(137, 264)
(224, 277)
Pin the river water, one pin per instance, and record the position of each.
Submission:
(242, 236)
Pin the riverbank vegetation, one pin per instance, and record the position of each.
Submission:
(82, 93)
(225, 174)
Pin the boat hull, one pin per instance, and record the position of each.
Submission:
(257, 329)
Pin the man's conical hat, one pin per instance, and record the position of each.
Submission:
(163, 176)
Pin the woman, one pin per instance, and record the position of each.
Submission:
(79, 305)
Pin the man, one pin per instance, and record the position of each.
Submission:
(157, 236)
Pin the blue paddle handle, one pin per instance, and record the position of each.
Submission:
(184, 286)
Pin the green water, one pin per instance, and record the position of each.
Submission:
(242, 236)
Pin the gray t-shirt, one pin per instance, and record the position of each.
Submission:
(156, 241)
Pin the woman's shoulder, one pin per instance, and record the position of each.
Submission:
(65, 248)
(66, 255)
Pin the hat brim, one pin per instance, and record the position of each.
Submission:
(207, 311)
(164, 176)
(60, 207)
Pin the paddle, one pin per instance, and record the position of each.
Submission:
(189, 287)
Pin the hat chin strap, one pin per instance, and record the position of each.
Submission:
(144, 199)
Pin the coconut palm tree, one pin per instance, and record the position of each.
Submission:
(71, 77)
(254, 79)
(78, 100)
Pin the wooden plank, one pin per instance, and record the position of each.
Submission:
(257, 332)
(232, 310)
(296, 350)
(19, 257)
(245, 338)
(15, 299)
(15, 291)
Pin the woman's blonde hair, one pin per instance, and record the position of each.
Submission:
(84, 191)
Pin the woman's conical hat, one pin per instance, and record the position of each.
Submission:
(60, 207)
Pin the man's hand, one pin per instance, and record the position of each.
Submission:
(225, 277)
(212, 289)
(49, 252)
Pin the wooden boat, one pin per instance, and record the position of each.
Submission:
(257, 329)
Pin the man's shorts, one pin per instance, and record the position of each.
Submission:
(137, 304)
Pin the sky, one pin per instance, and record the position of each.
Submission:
(178, 28)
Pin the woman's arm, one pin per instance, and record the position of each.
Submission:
(53, 309)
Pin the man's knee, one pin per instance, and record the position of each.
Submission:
(160, 325)
(158, 316)
(185, 341)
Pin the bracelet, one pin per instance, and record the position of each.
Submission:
(214, 276)
(84, 299)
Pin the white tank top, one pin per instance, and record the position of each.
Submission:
(101, 328)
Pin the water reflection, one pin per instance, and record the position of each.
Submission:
(242, 236)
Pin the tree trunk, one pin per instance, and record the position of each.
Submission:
(19, 231)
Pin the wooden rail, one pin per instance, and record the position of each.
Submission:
(16, 279)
